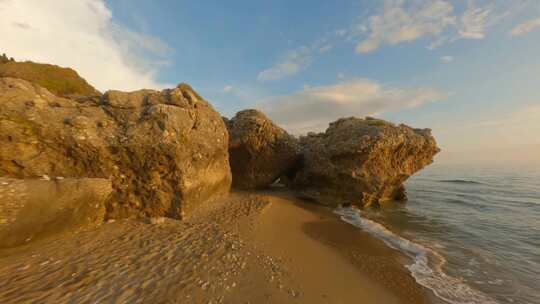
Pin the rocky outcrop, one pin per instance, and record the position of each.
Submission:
(31, 209)
(362, 161)
(164, 151)
(60, 81)
(260, 151)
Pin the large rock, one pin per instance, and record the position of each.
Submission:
(31, 209)
(164, 151)
(362, 161)
(260, 151)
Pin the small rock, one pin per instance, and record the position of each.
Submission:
(205, 285)
(157, 220)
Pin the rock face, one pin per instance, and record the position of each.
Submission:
(260, 151)
(362, 161)
(164, 151)
(32, 209)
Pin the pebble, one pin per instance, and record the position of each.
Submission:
(157, 220)
(45, 177)
(205, 285)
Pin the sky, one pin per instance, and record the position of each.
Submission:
(467, 69)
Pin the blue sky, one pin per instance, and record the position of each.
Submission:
(470, 70)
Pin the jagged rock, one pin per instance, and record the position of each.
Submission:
(164, 152)
(362, 161)
(260, 151)
(35, 208)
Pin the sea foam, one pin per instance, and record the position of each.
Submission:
(427, 264)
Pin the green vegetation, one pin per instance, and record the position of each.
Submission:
(376, 122)
(59, 81)
(5, 59)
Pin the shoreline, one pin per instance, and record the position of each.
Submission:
(352, 265)
(266, 247)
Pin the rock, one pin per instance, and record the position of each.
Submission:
(260, 151)
(165, 152)
(41, 208)
(362, 161)
(156, 220)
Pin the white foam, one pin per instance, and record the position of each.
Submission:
(427, 264)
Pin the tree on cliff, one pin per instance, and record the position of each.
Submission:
(5, 59)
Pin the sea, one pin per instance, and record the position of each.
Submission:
(473, 234)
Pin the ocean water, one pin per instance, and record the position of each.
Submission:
(473, 234)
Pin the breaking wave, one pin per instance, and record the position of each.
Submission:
(427, 263)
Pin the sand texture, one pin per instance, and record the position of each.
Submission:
(247, 248)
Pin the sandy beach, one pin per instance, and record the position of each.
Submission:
(247, 248)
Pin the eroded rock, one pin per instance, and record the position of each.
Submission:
(31, 209)
(164, 151)
(260, 151)
(362, 161)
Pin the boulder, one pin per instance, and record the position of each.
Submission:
(31, 209)
(362, 161)
(164, 151)
(260, 151)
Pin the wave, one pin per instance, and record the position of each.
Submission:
(429, 275)
(460, 181)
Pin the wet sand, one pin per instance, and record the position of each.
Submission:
(247, 248)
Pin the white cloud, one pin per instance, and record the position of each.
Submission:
(295, 60)
(312, 108)
(227, 89)
(525, 27)
(447, 59)
(440, 21)
(82, 35)
(292, 63)
(474, 21)
(401, 21)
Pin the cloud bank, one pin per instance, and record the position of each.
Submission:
(399, 22)
(395, 22)
(440, 21)
(312, 108)
(82, 35)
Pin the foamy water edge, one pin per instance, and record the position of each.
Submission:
(427, 263)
